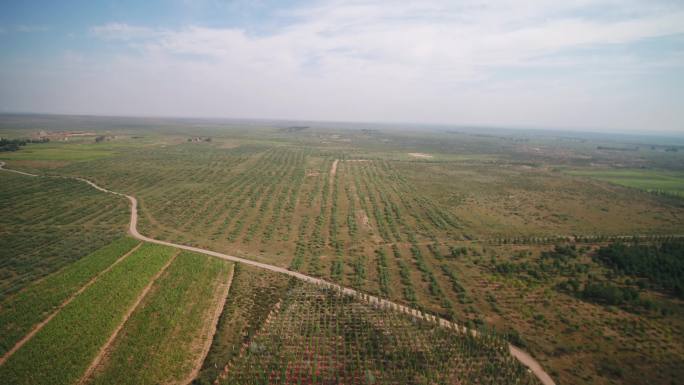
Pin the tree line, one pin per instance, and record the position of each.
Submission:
(15, 144)
(662, 264)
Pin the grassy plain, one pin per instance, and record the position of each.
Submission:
(61, 351)
(164, 336)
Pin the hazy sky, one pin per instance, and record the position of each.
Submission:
(588, 64)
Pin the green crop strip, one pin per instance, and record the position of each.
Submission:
(28, 307)
(155, 346)
(63, 349)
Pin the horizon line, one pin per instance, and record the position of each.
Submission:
(441, 125)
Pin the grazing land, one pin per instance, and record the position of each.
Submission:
(502, 231)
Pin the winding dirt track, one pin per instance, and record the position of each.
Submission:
(519, 354)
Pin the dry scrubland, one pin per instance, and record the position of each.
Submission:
(466, 230)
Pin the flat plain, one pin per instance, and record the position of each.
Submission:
(500, 232)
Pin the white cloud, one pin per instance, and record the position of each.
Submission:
(431, 61)
(422, 38)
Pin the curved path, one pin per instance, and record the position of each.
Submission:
(519, 354)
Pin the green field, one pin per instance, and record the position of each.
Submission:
(61, 351)
(60, 152)
(159, 343)
(47, 223)
(282, 205)
(454, 222)
(671, 183)
(19, 312)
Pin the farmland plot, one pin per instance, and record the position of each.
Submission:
(286, 206)
(20, 312)
(47, 223)
(253, 294)
(61, 351)
(320, 337)
(163, 338)
(451, 223)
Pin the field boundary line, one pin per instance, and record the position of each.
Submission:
(275, 309)
(523, 357)
(333, 171)
(103, 350)
(222, 296)
(37, 327)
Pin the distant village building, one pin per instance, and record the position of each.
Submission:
(197, 139)
(61, 135)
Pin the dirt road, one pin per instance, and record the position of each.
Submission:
(333, 171)
(520, 355)
(2, 165)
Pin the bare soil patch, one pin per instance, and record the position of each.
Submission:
(363, 218)
(333, 170)
(420, 155)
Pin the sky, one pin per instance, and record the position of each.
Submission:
(588, 64)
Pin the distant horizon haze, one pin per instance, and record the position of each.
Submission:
(351, 124)
(590, 65)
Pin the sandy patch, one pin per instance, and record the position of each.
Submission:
(363, 218)
(333, 170)
(420, 155)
